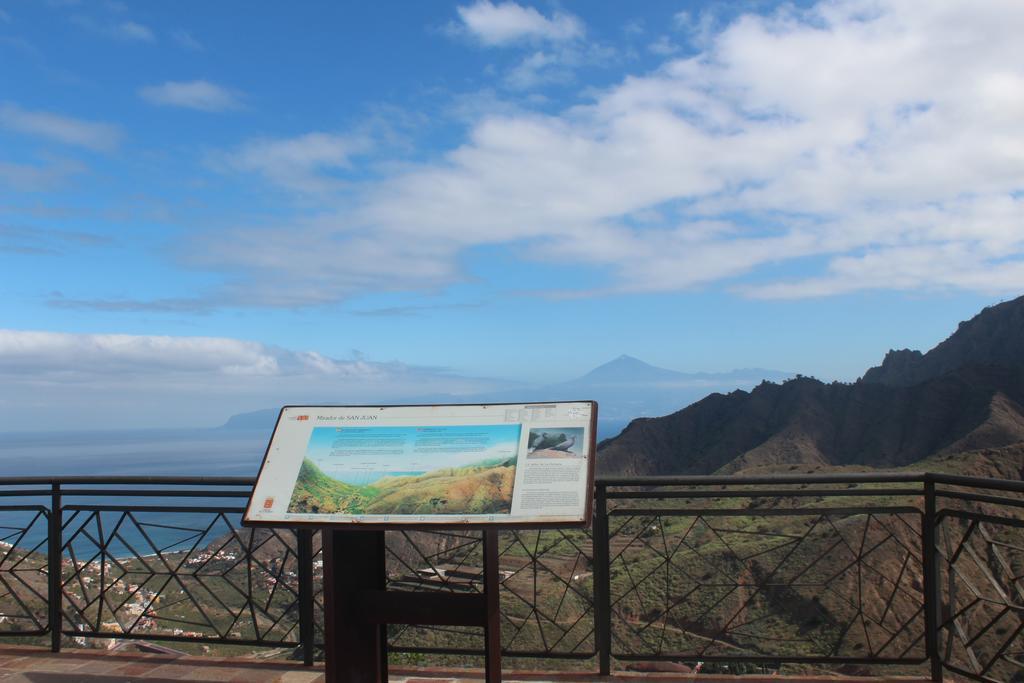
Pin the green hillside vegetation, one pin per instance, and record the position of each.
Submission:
(481, 488)
(318, 493)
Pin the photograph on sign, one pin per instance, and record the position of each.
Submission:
(449, 464)
(556, 442)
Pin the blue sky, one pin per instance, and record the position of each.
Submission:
(213, 207)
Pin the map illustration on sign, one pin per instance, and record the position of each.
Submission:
(408, 470)
(514, 464)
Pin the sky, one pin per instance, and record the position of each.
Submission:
(207, 208)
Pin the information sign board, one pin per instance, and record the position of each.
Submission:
(526, 465)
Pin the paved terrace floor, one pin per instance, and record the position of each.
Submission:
(37, 665)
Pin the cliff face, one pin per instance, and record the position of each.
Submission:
(965, 394)
(993, 337)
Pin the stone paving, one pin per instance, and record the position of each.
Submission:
(38, 665)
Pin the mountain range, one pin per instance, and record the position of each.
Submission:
(965, 395)
(625, 388)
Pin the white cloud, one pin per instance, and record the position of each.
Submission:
(663, 46)
(302, 163)
(557, 65)
(64, 129)
(699, 29)
(127, 31)
(38, 177)
(118, 380)
(537, 69)
(187, 41)
(857, 134)
(510, 22)
(131, 30)
(556, 44)
(199, 94)
(909, 268)
(974, 243)
(634, 27)
(88, 355)
(35, 240)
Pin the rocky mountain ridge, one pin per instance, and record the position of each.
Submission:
(994, 337)
(965, 394)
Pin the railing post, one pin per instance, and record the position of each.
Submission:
(602, 582)
(492, 610)
(54, 549)
(932, 595)
(304, 541)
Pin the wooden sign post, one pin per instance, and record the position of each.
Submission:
(358, 608)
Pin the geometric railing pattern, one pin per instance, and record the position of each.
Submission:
(545, 581)
(547, 593)
(854, 570)
(831, 586)
(147, 573)
(443, 561)
(982, 581)
(23, 570)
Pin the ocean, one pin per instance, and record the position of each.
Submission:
(177, 452)
(209, 452)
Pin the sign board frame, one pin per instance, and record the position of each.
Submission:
(591, 466)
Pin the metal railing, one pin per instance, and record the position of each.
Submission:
(911, 572)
